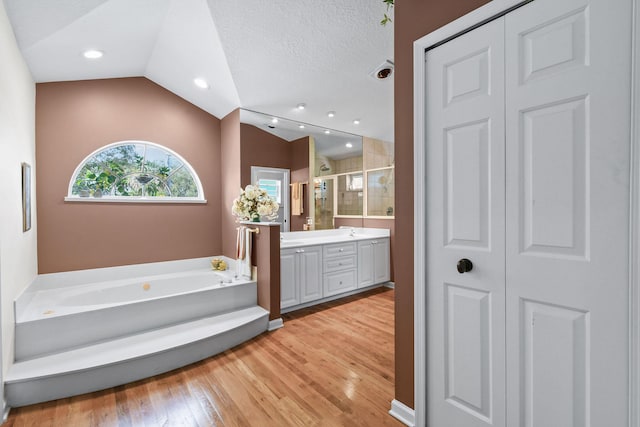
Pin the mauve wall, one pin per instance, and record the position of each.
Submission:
(230, 168)
(412, 20)
(75, 118)
(300, 173)
(244, 146)
(260, 148)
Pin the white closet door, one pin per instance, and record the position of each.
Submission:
(465, 219)
(567, 106)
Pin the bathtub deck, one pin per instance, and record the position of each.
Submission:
(129, 358)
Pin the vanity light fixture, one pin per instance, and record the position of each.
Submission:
(92, 54)
(301, 106)
(348, 145)
(331, 113)
(327, 131)
(356, 122)
(201, 83)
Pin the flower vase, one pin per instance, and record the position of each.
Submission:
(255, 218)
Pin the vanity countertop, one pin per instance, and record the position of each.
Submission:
(296, 239)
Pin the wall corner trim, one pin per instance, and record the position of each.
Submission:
(402, 413)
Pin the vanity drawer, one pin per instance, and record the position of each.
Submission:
(339, 282)
(340, 249)
(340, 263)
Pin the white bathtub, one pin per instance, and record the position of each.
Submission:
(69, 310)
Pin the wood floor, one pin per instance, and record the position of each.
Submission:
(331, 365)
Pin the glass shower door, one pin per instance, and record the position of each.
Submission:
(324, 203)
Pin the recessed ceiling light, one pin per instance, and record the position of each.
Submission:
(301, 106)
(301, 126)
(201, 83)
(356, 122)
(383, 70)
(274, 120)
(327, 131)
(92, 54)
(348, 145)
(331, 113)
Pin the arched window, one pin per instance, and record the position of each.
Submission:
(135, 171)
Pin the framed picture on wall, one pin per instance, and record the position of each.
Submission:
(26, 197)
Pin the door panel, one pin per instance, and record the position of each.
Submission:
(555, 365)
(465, 219)
(560, 43)
(567, 133)
(467, 351)
(467, 77)
(467, 185)
(553, 194)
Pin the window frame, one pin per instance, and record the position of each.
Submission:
(135, 199)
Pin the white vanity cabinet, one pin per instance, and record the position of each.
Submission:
(373, 262)
(300, 275)
(319, 266)
(340, 268)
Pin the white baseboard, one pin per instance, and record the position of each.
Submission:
(5, 411)
(402, 413)
(390, 285)
(275, 324)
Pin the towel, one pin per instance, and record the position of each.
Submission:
(246, 261)
(240, 243)
(297, 198)
(243, 252)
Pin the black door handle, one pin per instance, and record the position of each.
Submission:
(464, 265)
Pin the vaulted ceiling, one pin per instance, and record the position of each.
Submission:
(266, 56)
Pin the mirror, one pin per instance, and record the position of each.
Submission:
(346, 177)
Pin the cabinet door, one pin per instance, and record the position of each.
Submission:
(381, 269)
(310, 264)
(289, 294)
(365, 263)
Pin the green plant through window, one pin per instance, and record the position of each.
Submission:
(135, 169)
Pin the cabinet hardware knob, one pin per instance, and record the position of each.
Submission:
(464, 266)
(341, 250)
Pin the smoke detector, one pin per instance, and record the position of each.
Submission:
(382, 71)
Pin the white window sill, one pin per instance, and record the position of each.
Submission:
(125, 199)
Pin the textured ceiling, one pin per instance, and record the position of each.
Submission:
(266, 56)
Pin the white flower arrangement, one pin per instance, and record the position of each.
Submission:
(253, 203)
